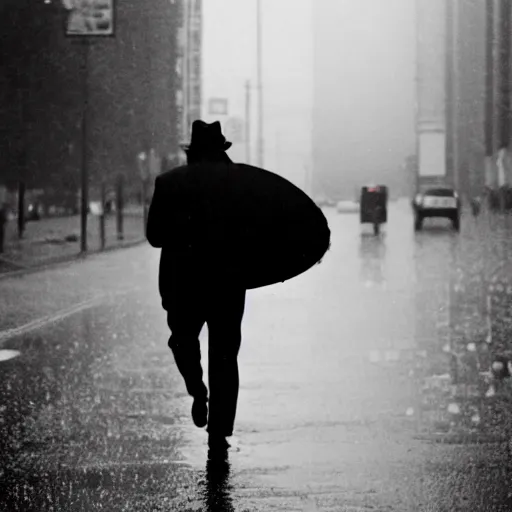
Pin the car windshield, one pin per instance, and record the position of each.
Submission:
(440, 192)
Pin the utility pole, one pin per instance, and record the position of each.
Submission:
(248, 121)
(259, 86)
(278, 152)
(455, 95)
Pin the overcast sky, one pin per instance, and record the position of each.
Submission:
(364, 74)
(229, 59)
(364, 85)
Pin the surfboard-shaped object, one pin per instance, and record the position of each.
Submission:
(246, 218)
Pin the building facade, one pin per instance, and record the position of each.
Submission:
(476, 88)
(189, 66)
(128, 83)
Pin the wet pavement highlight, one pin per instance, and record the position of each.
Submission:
(334, 376)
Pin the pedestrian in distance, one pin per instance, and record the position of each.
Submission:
(4, 217)
(476, 206)
(198, 285)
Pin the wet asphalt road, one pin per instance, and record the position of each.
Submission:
(94, 415)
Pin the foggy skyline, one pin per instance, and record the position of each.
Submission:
(364, 89)
(351, 63)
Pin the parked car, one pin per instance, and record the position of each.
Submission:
(437, 202)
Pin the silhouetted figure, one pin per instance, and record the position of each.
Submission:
(4, 217)
(476, 206)
(197, 282)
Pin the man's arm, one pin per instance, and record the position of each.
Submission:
(157, 214)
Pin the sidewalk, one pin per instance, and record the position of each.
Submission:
(58, 238)
(95, 403)
(467, 402)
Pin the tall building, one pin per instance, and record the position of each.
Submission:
(190, 37)
(498, 94)
(128, 82)
(476, 87)
(465, 93)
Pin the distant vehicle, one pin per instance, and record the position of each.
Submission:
(437, 202)
(347, 207)
(325, 202)
(374, 206)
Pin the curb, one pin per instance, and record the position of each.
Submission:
(461, 438)
(56, 262)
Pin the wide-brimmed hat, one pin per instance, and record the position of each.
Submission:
(206, 137)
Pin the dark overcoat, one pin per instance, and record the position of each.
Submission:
(191, 218)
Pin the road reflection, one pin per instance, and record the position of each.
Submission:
(372, 256)
(217, 492)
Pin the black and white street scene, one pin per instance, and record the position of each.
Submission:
(254, 256)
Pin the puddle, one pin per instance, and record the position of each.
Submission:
(6, 354)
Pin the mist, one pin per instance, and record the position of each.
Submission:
(364, 93)
(338, 79)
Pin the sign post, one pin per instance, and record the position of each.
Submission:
(86, 20)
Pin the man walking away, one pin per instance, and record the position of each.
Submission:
(198, 283)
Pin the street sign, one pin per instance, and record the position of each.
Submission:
(89, 17)
(218, 106)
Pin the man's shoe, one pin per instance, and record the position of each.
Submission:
(200, 411)
(218, 448)
(218, 442)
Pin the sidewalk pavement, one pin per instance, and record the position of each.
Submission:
(467, 402)
(56, 239)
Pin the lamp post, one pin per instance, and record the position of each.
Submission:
(86, 22)
(142, 158)
(84, 206)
